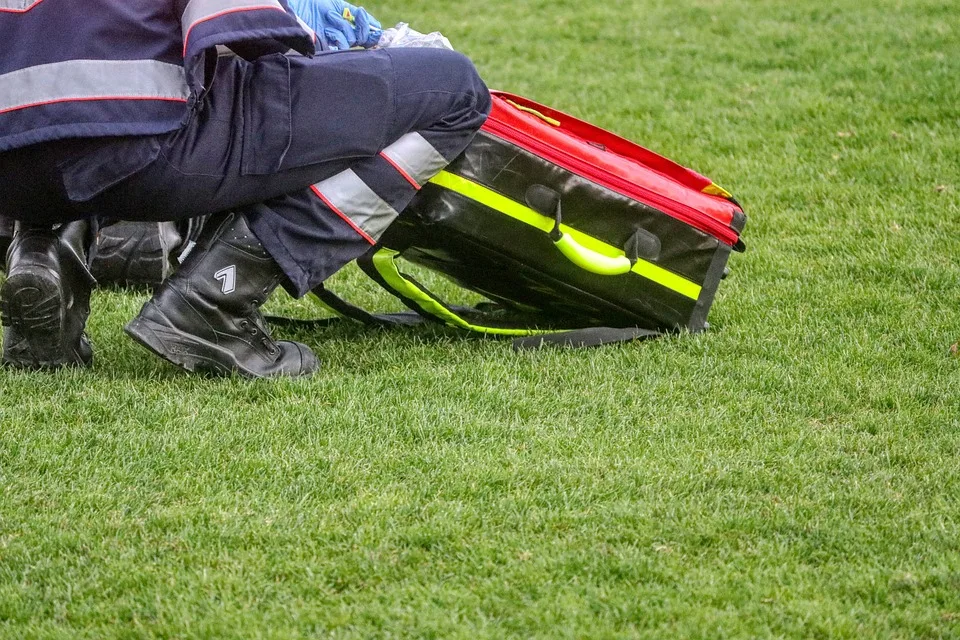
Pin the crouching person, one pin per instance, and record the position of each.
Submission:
(302, 159)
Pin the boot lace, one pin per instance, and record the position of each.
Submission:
(251, 326)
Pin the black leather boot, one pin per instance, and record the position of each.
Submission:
(206, 315)
(45, 301)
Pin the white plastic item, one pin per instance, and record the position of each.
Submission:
(403, 36)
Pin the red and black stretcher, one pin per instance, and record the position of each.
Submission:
(577, 236)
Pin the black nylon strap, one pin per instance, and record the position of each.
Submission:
(581, 338)
(348, 311)
(342, 307)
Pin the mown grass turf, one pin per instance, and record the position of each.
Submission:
(793, 472)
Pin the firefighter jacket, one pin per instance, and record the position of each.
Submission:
(93, 68)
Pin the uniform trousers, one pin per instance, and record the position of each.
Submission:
(320, 154)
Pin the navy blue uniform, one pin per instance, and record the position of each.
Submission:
(140, 117)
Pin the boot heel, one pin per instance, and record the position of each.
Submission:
(31, 307)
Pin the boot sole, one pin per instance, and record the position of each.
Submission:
(131, 254)
(31, 305)
(182, 349)
(186, 350)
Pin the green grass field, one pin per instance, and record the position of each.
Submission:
(793, 472)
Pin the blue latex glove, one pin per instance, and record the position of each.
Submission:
(341, 24)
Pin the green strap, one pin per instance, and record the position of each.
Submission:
(384, 262)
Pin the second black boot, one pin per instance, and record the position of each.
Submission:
(135, 254)
(205, 317)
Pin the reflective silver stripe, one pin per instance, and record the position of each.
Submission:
(92, 79)
(200, 10)
(354, 199)
(416, 157)
(17, 5)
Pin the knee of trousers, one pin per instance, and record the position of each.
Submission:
(440, 70)
(470, 110)
(471, 84)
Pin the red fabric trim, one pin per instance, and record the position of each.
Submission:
(21, 10)
(345, 218)
(609, 154)
(401, 171)
(186, 36)
(41, 104)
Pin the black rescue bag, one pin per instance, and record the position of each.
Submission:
(577, 237)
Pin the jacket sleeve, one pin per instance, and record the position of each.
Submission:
(250, 27)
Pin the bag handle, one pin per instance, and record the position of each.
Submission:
(546, 201)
